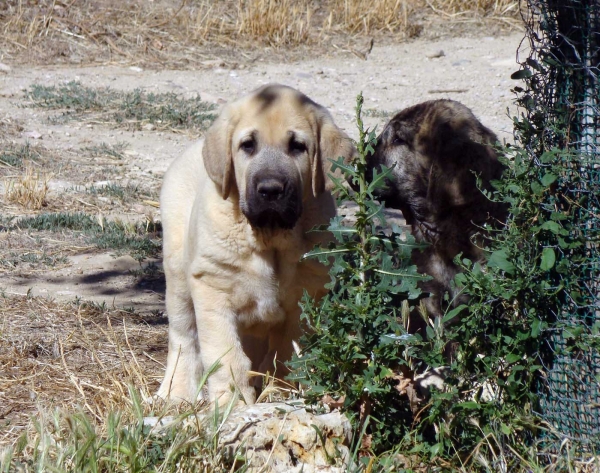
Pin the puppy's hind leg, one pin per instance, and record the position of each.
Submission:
(184, 365)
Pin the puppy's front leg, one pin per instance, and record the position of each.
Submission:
(184, 366)
(220, 342)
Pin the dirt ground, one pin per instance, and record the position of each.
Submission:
(80, 342)
(473, 70)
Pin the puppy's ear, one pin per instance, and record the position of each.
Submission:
(217, 153)
(332, 143)
(460, 150)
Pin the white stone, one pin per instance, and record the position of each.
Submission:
(281, 437)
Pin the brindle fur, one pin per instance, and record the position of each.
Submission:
(436, 150)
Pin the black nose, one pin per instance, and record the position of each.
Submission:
(271, 189)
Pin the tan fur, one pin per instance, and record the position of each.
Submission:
(233, 287)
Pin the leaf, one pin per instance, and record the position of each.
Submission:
(548, 179)
(453, 313)
(499, 259)
(468, 405)
(552, 226)
(338, 229)
(536, 328)
(340, 164)
(512, 358)
(534, 64)
(548, 259)
(506, 430)
(378, 180)
(317, 252)
(435, 449)
(521, 74)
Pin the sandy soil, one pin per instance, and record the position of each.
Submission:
(475, 71)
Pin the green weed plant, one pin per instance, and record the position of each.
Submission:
(356, 346)
(356, 349)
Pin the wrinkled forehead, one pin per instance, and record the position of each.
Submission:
(276, 112)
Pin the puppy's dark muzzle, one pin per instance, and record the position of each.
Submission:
(271, 189)
(273, 202)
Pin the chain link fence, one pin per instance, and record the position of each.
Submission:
(562, 108)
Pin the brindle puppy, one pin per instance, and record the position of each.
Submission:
(437, 149)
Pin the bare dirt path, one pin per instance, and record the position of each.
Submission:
(475, 71)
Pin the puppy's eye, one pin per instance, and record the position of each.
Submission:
(297, 147)
(397, 141)
(248, 146)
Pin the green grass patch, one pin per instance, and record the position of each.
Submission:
(15, 155)
(138, 240)
(130, 109)
(116, 191)
(31, 260)
(122, 441)
(106, 150)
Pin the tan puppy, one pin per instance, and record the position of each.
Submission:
(236, 209)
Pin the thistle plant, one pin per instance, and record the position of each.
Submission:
(356, 349)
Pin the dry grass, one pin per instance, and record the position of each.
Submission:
(73, 379)
(122, 188)
(481, 8)
(370, 16)
(178, 33)
(282, 23)
(71, 355)
(28, 190)
(9, 128)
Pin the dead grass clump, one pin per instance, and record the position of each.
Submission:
(370, 16)
(480, 8)
(277, 22)
(64, 355)
(73, 382)
(9, 127)
(207, 21)
(28, 190)
(168, 32)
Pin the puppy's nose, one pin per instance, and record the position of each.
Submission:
(271, 189)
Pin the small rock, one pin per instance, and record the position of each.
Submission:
(212, 63)
(36, 135)
(5, 68)
(435, 378)
(461, 62)
(436, 54)
(136, 69)
(148, 127)
(282, 438)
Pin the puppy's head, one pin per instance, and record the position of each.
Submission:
(270, 148)
(437, 149)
